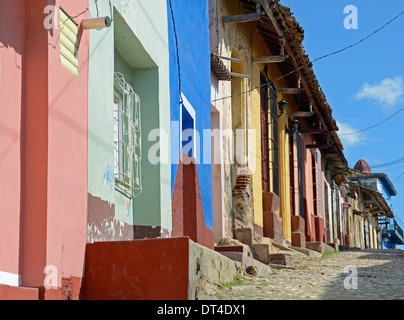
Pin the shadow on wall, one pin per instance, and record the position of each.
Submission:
(384, 280)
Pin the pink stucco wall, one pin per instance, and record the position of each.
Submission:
(12, 29)
(67, 153)
(315, 226)
(43, 145)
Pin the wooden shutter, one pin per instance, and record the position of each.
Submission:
(69, 43)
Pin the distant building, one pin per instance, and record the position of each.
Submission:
(380, 189)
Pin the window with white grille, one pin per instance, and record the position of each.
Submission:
(127, 139)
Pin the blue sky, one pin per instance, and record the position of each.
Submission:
(364, 85)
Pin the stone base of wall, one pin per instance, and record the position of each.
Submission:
(298, 232)
(273, 227)
(321, 234)
(188, 219)
(347, 241)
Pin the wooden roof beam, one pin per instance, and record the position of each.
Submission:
(290, 90)
(265, 4)
(243, 18)
(270, 59)
(319, 146)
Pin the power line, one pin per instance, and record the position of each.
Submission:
(374, 126)
(399, 177)
(392, 163)
(177, 51)
(395, 169)
(317, 59)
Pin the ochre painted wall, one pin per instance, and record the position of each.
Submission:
(284, 178)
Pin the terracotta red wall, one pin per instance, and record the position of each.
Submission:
(187, 208)
(142, 269)
(14, 293)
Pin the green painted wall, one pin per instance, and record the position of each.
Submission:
(136, 45)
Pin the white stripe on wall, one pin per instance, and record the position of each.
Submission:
(10, 279)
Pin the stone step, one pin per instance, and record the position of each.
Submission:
(282, 259)
(233, 245)
(248, 263)
(247, 236)
(262, 252)
(307, 252)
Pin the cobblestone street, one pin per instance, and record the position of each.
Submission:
(380, 276)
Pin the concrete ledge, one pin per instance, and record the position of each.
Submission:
(307, 252)
(247, 261)
(280, 259)
(289, 250)
(320, 247)
(155, 269)
(18, 293)
(334, 245)
(208, 268)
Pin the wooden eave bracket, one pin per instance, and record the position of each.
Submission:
(239, 75)
(243, 18)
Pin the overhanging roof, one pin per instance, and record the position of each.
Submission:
(313, 94)
(384, 178)
(379, 202)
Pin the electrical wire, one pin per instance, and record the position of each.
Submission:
(96, 6)
(374, 126)
(177, 51)
(389, 164)
(317, 59)
(402, 174)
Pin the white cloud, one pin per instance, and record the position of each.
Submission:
(388, 92)
(346, 137)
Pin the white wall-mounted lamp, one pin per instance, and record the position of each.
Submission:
(96, 23)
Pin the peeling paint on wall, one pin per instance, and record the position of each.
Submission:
(109, 178)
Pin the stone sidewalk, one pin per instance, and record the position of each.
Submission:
(379, 275)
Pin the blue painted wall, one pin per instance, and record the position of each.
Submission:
(192, 32)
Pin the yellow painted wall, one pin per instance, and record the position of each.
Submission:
(256, 125)
(284, 178)
(259, 49)
(243, 41)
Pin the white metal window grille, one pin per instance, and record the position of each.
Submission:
(127, 139)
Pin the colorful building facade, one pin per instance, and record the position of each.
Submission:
(190, 114)
(141, 136)
(129, 112)
(276, 121)
(44, 80)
